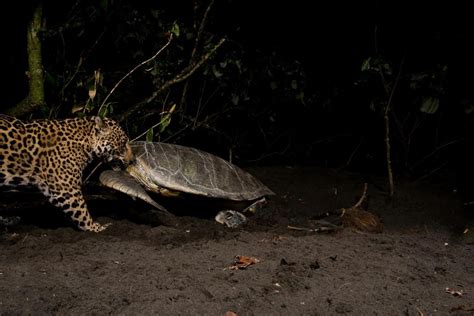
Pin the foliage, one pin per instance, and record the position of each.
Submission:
(236, 94)
(253, 98)
(417, 102)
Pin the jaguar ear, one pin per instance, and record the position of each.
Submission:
(99, 123)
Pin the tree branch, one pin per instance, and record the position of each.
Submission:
(183, 75)
(195, 48)
(133, 70)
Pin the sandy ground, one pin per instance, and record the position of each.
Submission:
(140, 267)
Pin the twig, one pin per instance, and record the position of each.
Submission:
(196, 45)
(300, 228)
(362, 198)
(183, 75)
(313, 230)
(163, 119)
(349, 160)
(387, 132)
(71, 78)
(134, 69)
(431, 172)
(204, 124)
(198, 110)
(267, 154)
(92, 172)
(420, 313)
(201, 29)
(177, 133)
(416, 164)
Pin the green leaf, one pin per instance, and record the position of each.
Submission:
(294, 85)
(166, 119)
(469, 108)
(235, 99)
(175, 29)
(149, 135)
(365, 65)
(50, 79)
(429, 105)
(104, 111)
(216, 72)
(372, 106)
(155, 13)
(104, 4)
(300, 96)
(238, 65)
(387, 69)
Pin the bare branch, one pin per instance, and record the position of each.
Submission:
(362, 198)
(196, 45)
(388, 107)
(201, 30)
(183, 75)
(133, 70)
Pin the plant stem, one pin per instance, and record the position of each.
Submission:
(388, 108)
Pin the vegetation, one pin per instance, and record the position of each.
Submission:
(189, 73)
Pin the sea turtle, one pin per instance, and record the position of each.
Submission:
(172, 170)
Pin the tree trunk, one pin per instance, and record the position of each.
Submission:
(35, 96)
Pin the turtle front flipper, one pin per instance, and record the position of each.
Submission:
(123, 182)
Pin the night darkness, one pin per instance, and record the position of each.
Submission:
(320, 47)
(304, 96)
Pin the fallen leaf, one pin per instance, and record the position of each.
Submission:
(242, 262)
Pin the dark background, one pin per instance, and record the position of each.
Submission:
(302, 95)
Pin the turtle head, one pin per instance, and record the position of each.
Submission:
(111, 143)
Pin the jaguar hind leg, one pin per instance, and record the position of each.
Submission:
(74, 205)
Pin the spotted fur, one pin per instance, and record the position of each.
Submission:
(52, 154)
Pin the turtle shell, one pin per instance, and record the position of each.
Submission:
(186, 169)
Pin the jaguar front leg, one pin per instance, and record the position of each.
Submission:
(74, 205)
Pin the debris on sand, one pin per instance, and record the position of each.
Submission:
(360, 219)
(454, 292)
(327, 227)
(242, 262)
(354, 217)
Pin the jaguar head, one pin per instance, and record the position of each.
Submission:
(112, 143)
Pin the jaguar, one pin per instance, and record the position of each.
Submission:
(51, 155)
